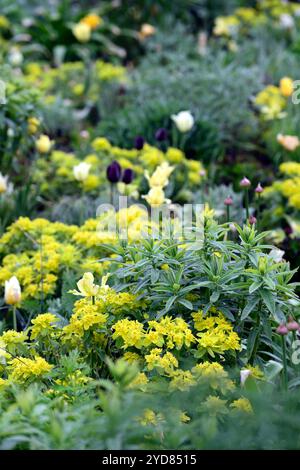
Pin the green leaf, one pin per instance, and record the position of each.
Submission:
(251, 304)
(186, 303)
(268, 298)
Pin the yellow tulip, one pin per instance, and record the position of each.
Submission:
(86, 286)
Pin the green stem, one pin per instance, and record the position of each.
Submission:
(247, 203)
(228, 213)
(285, 377)
(15, 317)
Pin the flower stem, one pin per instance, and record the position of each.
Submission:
(285, 377)
(228, 213)
(15, 317)
(247, 202)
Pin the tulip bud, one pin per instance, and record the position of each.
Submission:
(252, 220)
(43, 144)
(228, 201)
(128, 176)
(161, 134)
(282, 330)
(12, 292)
(292, 325)
(139, 142)
(113, 172)
(259, 189)
(81, 171)
(3, 183)
(245, 183)
(82, 32)
(184, 121)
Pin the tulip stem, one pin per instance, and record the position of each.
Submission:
(228, 213)
(247, 203)
(15, 317)
(111, 194)
(285, 377)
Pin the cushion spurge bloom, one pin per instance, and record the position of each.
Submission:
(12, 293)
(86, 286)
(184, 121)
(81, 171)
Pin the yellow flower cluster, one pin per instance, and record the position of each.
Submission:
(163, 362)
(290, 187)
(86, 316)
(213, 373)
(271, 102)
(22, 369)
(45, 250)
(68, 80)
(168, 332)
(43, 325)
(216, 334)
(172, 333)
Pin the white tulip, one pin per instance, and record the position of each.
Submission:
(15, 57)
(12, 292)
(244, 374)
(3, 183)
(81, 171)
(184, 121)
(286, 21)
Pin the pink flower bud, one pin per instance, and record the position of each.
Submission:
(292, 325)
(245, 183)
(259, 189)
(282, 330)
(252, 220)
(228, 201)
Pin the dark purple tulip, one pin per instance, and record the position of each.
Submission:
(139, 142)
(113, 172)
(128, 176)
(161, 134)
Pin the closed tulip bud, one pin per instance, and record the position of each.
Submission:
(259, 189)
(252, 220)
(184, 121)
(282, 330)
(81, 171)
(3, 183)
(245, 183)
(12, 292)
(43, 144)
(128, 176)
(228, 201)
(161, 134)
(82, 32)
(139, 142)
(286, 86)
(146, 31)
(113, 172)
